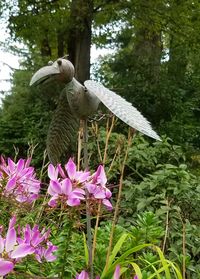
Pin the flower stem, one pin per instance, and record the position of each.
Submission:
(166, 226)
(88, 216)
(130, 136)
(108, 134)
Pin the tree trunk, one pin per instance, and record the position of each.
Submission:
(147, 53)
(45, 48)
(148, 44)
(79, 39)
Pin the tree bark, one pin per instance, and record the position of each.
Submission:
(147, 53)
(79, 39)
(45, 48)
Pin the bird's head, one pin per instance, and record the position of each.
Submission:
(61, 70)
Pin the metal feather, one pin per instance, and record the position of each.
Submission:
(121, 108)
(62, 134)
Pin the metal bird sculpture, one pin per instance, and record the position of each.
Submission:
(79, 101)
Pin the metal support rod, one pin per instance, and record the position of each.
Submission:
(88, 216)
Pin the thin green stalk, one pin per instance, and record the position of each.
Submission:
(79, 148)
(88, 215)
(184, 250)
(109, 130)
(108, 134)
(95, 130)
(130, 136)
(166, 226)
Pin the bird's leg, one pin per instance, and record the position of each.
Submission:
(88, 215)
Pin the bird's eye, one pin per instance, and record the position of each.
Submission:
(59, 61)
(50, 63)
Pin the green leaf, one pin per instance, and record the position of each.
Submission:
(122, 259)
(115, 250)
(164, 262)
(178, 273)
(137, 270)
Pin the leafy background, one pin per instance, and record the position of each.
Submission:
(154, 65)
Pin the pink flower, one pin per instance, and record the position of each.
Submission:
(69, 185)
(76, 176)
(82, 275)
(67, 188)
(43, 248)
(18, 180)
(99, 176)
(30, 241)
(97, 187)
(10, 250)
(42, 253)
(62, 189)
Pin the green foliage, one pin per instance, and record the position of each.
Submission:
(125, 246)
(155, 65)
(25, 118)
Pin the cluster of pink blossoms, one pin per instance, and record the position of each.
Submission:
(71, 186)
(17, 245)
(18, 180)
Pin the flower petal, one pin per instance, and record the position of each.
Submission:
(2, 244)
(73, 202)
(22, 251)
(5, 267)
(108, 193)
(53, 201)
(27, 162)
(48, 253)
(91, 187)
(66, 186)
(10, 240)
(20, 165)
(11, 184)
(12, 222)
(117, 272)
(107, 204)
(11, 165)
(36, 238)
(61, 171)
(52, 172)
(82, 275)
(54, 188)
(78, 191)
(71, 169)
(82, 176)
(100, 176)
(99, 193)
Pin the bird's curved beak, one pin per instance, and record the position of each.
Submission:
(45, 74)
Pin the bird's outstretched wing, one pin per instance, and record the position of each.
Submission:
(62, 135)
(121, 108)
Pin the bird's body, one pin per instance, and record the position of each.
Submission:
(82, 102)
(79, 102)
